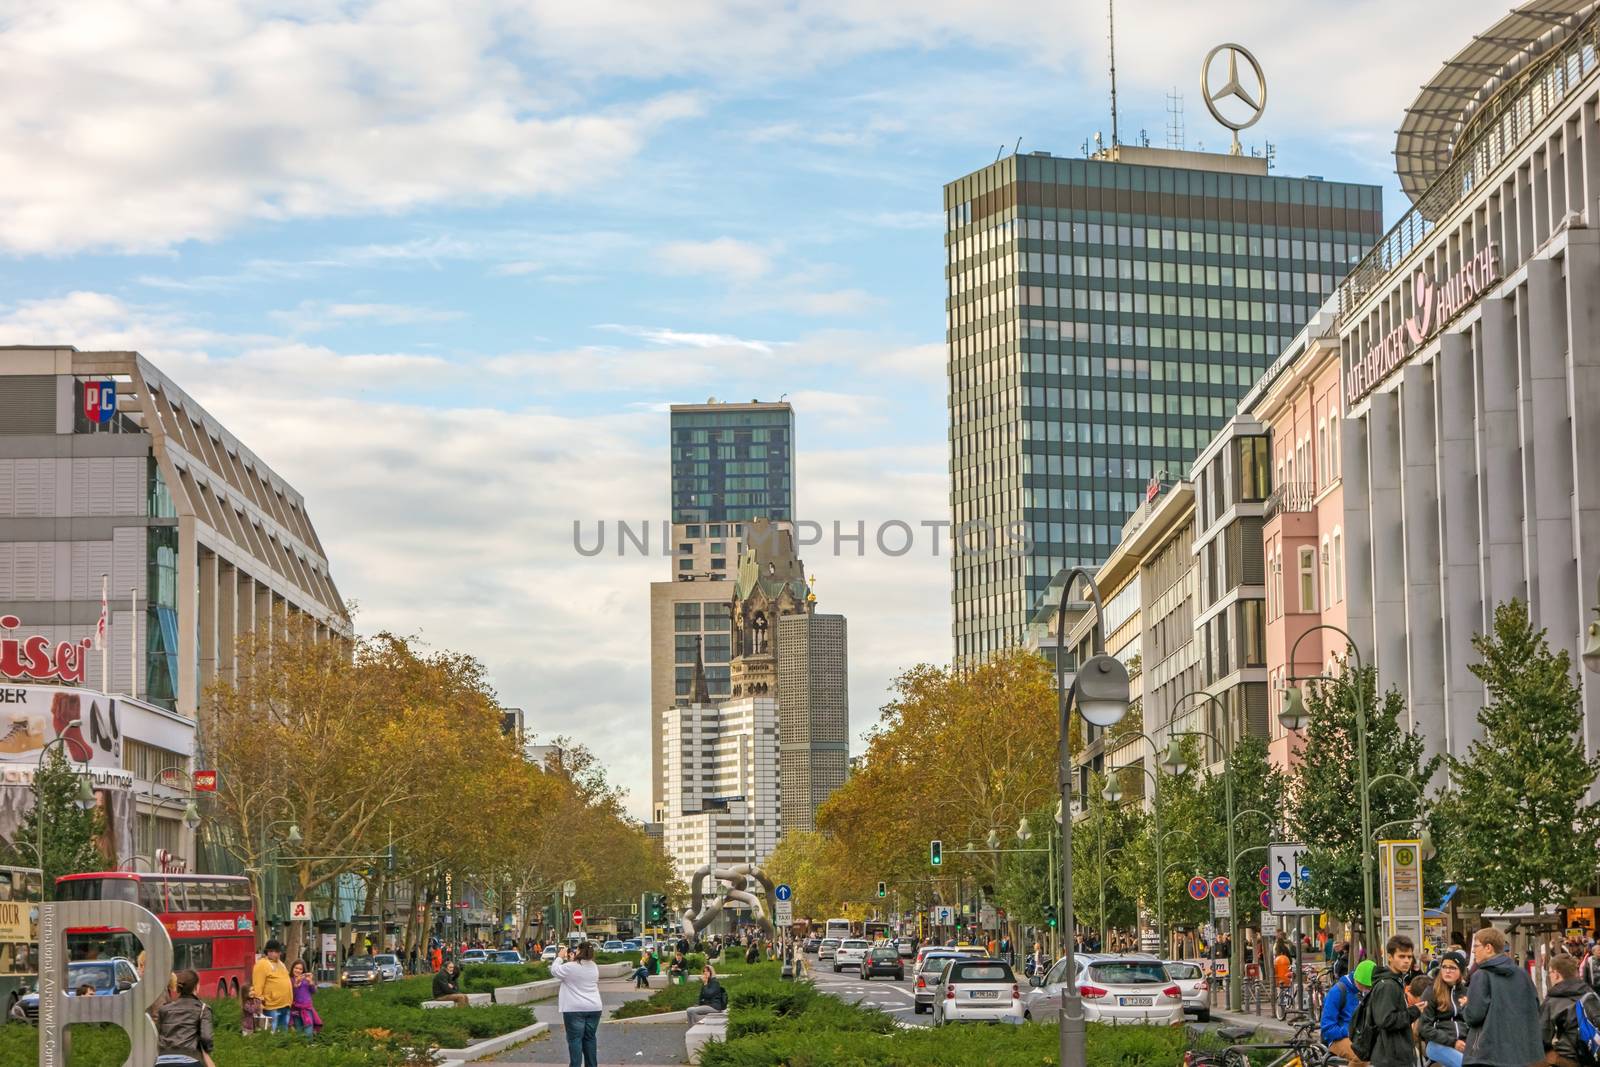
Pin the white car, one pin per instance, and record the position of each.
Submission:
(549, 953)
(1191, 980)
(850, 953)
(1115, 989)
(825, 951)
(977, 990)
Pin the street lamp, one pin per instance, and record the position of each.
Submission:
(1100, 689)
(84, 798)
(1591, 641)
(1294, 718)
(1177, 763)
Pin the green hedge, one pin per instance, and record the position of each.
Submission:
(956, 1046)
(674, 997)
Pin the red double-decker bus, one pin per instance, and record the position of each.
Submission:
(209, 917)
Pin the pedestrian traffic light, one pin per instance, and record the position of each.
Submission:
(1050, 915)
(656, 907)
(936, 852)
(883, 889)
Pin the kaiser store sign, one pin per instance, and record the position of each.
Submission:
(1434, 304)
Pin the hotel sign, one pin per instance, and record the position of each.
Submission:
(1434, 305)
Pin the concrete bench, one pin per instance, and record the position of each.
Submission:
(474, 1000)
(712, 1027)
(615, 970)
(528, 992)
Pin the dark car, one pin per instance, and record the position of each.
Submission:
(883, 959)
(811, 945)
(361, 970)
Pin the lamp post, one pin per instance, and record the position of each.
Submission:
(84, 800)
(1174, 763)
(1112, 793)
(1591, 637)
(1294, 718)
(1100, 690)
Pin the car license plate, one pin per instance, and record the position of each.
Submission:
(1136, 1002)
(985, 994)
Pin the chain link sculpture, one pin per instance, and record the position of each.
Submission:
(738, 884)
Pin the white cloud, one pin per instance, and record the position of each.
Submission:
(679, 338)
(725, 257)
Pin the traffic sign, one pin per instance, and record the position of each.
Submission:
(1266, 898)
(569, 888)
(1199, 888)
(1222, 907)
(1290, 873)
(577, 916)
(1219, 887)
(300, 911)
(1265, 876)
(783, 892)
(783, 913)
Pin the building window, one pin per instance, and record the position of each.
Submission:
(1338, 565)
(1327, 577)
(1323, 476)
(685, 618)
(686, 564)
(1308, 578)
(1333, 446)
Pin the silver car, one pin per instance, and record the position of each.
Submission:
(1193, 984)
(850, 953)
(977, 990)
(924, 987)
(389, 968)
(826, 950)
(1115, 989)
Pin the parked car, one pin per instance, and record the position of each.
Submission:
(630, 945)
(977, 990)
(508, 955)
(549, 953)
(389, 968)
(613, 946)
(475, 955)
(115, 975)
(1115, 989)
(927, 971)
(883, 959)
(850, 953)
(360, 970)
(826, 950)
(1193, 984)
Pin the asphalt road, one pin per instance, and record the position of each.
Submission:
(885, 994)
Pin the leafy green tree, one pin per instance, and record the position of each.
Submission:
(70, 832)
(1324, 809)
(1517, 827)
(1258, 786)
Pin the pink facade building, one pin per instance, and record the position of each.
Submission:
(1303, 532)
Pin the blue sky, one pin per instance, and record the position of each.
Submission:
(444, 265)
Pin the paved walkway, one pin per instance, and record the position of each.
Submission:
(654, 1041)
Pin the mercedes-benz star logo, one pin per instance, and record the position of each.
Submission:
(1233, 88)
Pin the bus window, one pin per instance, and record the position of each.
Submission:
(194, 955)
(99, 889)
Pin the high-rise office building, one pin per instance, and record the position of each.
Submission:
(732, 462)
(1104, 317)
(813, 713)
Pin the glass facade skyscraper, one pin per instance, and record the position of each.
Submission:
(732, 462)
(1104, 316)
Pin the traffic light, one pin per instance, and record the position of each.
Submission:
(883, 889)
(1050, 916)
(655, 907)
(388, 857)
(936, 852)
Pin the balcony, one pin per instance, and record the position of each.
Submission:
(1290, 497)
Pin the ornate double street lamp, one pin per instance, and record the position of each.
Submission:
(1100, 691)
(1295, 718)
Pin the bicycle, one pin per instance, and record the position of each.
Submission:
(1303, 1049)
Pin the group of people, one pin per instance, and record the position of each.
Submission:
(580, 1005)
(1477, 1009)
(280, 996)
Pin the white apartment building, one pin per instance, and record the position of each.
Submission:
(720, 764)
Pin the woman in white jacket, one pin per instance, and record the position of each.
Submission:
(579, 1003)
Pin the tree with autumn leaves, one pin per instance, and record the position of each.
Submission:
(389, 764)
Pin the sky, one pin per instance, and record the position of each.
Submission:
(444, 266)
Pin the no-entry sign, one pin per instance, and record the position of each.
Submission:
(577, 916)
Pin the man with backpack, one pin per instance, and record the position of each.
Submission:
(1380, 1032)
(1590, 972)
(1339, 1010)
(1502, 1009)
(1568, 1017)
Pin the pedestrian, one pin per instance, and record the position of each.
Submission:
(1339, 1008)
(713, 998)
(1502, 1009)
(1389, 1010)
(1590, 972)
(1442, 1031)
(641, 973)
(184, 1026)
(302, 1014)
(678, 968)
(1282, 966)
(1558, 1016)
(269, 983)
(437, 959)
(447, 985)
(1340, 959)
(579, 1003)
(752, 954)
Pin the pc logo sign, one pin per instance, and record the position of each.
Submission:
(99, 400)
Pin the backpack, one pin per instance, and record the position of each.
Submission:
(1588, 1019)
(1363, 1034)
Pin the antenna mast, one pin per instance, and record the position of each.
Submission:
(1111, 23)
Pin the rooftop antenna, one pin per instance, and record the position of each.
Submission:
(1111, 24)
(1175, 138)
(1272, 155)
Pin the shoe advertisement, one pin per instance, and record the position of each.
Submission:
(33, 716)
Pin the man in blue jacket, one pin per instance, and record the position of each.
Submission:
(1339, 1008)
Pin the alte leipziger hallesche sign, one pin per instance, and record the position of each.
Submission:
(1434, 304)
